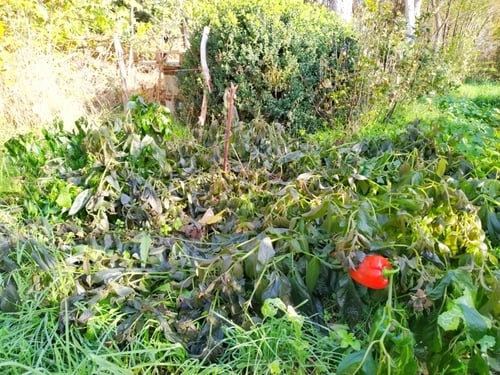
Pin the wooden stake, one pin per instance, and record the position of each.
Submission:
(206, 76)
(203, 58)
(123, 70)
(230, 93)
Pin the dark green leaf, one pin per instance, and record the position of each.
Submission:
(312, 273)
(476, 324)
(478, 365)
(359, 362)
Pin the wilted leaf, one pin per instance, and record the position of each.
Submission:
(210, 218)
(80, 201)
(290, 157)
(41, 255)
(266, 251)
(441, 167)
(144, 248)
(113, 181)
(305, 176)
(277, 286)
(194, 230)
(365, 222)
(121, 290)
(316, 212)
(106, 275)
(102, 222)
(9, 298)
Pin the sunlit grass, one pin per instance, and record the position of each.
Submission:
(487, 90)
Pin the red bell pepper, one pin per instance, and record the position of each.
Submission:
(370, 272)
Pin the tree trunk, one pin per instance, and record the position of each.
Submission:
(410, 18)
(344, 9)
(418, 8)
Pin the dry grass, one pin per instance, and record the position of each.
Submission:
(37, 88)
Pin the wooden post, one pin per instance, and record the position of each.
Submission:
(203, 58)
(122, 69)
(206, 76)
(230, 93)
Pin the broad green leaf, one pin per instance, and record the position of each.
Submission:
(271, 306)
(64, 198)
(406, 363)
(492, 306)
(450, 320)
(478, 365)
(316, 212)
(295, 246)
(459, 277)
(359, 362)
(364, 220)
(476, 324)
(80, 201)
(312, 273)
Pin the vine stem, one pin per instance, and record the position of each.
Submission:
(388, 313)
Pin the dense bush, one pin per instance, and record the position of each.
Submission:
(290, 61)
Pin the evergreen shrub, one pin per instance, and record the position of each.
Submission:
(291, 61)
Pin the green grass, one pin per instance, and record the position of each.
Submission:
(483, 89)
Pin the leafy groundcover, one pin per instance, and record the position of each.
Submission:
(125, 248)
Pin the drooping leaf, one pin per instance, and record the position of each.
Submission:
(312, 273)
(316, 212)
(266, 251)
(210, 218)
(441, 167)
(294, 155)
(80, 201)
(102, 222)
(459, 277)
(144, 248)
(365, 221)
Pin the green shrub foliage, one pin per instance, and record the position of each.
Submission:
(286, 57)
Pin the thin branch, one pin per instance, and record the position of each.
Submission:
(206, 76)
(203, 58)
